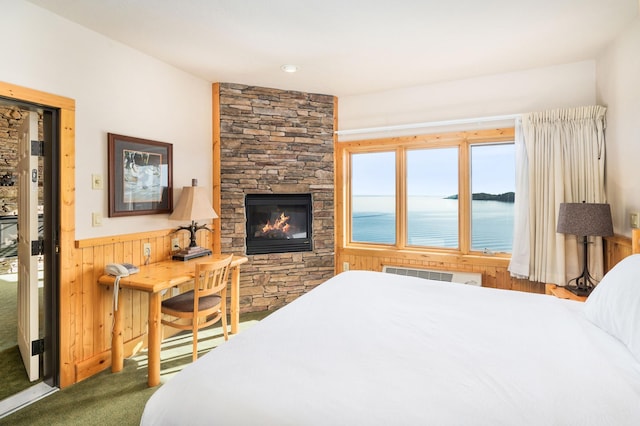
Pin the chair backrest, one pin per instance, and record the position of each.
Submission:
(211, 277)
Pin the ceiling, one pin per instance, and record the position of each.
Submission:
(347, 47)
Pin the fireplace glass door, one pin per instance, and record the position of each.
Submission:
(278, 223)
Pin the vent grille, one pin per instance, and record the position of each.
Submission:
(470, 278)
(421, 273)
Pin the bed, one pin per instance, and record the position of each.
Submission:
(368, 348)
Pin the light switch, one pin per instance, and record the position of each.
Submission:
(96, 219)
(96, 182)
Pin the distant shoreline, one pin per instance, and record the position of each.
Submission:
(507, 197)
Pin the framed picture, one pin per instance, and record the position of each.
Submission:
(140, 176)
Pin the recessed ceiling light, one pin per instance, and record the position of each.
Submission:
(289, 68)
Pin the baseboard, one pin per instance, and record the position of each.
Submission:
(102, 361)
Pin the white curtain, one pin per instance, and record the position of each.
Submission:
(562, 162)
(521, 249)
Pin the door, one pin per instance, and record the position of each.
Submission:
(28, 258)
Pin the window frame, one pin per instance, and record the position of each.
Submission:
(401, 145)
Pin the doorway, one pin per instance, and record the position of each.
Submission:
(44, 179)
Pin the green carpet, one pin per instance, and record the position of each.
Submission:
(8, 311)
(14, 377)
(119, 399)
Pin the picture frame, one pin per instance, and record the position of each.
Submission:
(140, 176)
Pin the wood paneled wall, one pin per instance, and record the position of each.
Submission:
(616, 248)
(493, 269)
(94, 303)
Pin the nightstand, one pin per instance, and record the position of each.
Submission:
(562, 293)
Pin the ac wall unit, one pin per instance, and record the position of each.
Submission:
(471, 278)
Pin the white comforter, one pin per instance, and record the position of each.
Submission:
(367, 348)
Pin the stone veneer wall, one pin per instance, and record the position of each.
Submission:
(11, 117)
(276, 141)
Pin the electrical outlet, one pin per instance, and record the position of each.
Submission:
(345, 266)
(634, 219)
(175, 244)
(147, 249)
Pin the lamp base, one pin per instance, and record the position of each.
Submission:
(579, 291)
(191, 253)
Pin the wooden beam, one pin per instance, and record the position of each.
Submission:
(217, 179)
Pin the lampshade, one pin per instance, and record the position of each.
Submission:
(193, 204)
(585, 219)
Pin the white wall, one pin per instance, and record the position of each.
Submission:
(487, 96)
(618, 88)
(117, 90)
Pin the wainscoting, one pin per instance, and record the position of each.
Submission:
(92, 304)
(493, 269)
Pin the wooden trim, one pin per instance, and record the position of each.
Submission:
(25, 94)
(635, 240)
(70, 313)
(402, 145)
(102, 360)
(111, 239)
(434, 140)
(216, 168)
(338, 205)
(464, 198)
(93, 365)
(423, 255)
(70, 309)
(401, 194)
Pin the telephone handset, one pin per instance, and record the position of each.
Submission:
(121, 269)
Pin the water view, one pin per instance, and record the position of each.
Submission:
(433, 221)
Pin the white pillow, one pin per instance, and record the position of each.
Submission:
(614, 305)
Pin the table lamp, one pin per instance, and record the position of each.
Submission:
(584, 220)
(192, 205)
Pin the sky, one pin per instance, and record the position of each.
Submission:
(434, 171)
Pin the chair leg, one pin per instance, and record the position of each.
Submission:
(195, 341)
(224, 321)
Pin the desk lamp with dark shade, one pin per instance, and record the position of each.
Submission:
(193, 205)
(584, 220)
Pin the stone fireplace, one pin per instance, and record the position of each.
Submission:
(276, 142)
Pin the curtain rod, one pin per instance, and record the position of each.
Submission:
(426, 124)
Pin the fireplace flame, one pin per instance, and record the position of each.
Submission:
(279, 225)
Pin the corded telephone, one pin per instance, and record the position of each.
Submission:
(121, 269)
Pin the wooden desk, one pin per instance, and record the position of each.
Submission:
(153, 279)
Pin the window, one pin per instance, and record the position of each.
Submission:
(373, 201)
(450, 192)
(432, 212)
(493, 193)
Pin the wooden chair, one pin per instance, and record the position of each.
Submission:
(205, 305)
